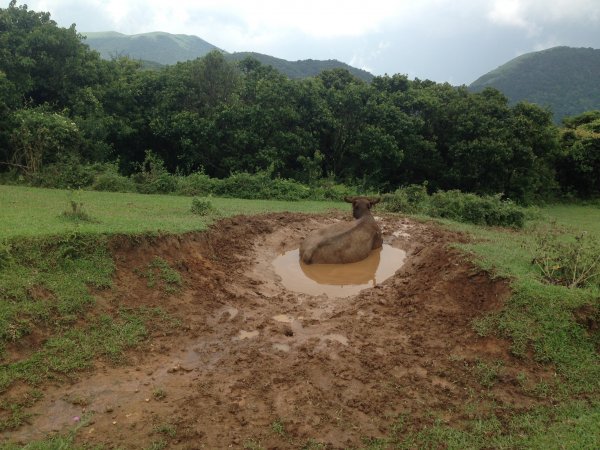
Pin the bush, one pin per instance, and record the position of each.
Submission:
(153, 177)
(113, 182)
(455, 205)
(471, 208)
(567, 260)
(202, 207)
(260, 186)
(109, 179)
(411, 199)
(328, 189)
(196, 184)
(68, 173)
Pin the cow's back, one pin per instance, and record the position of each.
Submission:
(341, 243)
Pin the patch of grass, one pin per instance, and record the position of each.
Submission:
(575, 425)
(159, 394)
(487, 372)
(74, 350)
(541, 318)
(14, 413)
(278, 428)
(44, 283)
(167, 429)
(31, 212)
(253, 445)
(159, 272)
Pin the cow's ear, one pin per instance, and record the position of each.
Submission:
(375, 201)
(349, 199)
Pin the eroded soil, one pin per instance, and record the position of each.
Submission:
(253, 363)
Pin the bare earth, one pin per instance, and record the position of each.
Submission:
(255, 364)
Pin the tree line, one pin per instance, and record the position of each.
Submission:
(61, 103)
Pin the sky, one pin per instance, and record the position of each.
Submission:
(454, 41)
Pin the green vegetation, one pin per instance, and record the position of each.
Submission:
(574, 426)
(455, 205)
(542, 317)
(31, 212)
(70, 119)
(560, 78)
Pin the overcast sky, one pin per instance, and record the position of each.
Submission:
(443, 40)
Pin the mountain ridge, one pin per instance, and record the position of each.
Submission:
(166, 49)
(565, 79)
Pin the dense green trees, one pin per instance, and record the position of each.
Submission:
(60, 102)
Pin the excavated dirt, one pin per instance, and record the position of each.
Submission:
(254, 363)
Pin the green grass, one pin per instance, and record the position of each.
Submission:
(574, 425)
(540, 316)
(30, 212)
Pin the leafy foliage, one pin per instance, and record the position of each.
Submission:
(244, 129)
(456, 205)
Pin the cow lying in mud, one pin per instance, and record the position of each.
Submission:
(343, 243)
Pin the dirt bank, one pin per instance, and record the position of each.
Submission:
(254, 363)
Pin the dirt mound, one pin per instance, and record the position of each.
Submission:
(254, 363)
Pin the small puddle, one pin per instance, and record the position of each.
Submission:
(338, 280)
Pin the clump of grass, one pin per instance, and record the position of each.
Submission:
(202, 207)
(487, 373)
(77, 213)
(159, 270)
(278, 427)
(167, 429)
(159, 394)
(566, 260)
(76, 349)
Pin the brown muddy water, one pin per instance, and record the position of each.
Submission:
(338, 280)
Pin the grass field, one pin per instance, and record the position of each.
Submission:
(41, 247)
(31, 212)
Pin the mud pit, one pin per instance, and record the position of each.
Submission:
(250, 353)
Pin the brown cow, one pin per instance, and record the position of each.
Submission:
(346, 242)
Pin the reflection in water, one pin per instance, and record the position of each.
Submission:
(338, 280)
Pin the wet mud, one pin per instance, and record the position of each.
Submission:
(251, 352)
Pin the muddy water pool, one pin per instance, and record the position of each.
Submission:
(338, 280)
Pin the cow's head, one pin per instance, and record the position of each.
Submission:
(361, 205)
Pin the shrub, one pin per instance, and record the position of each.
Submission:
(202, 207)
(109, 179)
(328, 189)
(567, 260)
(260, 186)
(113, 182)
(471, 208)
(411, 199)
(153, 177)
(455, 205)
(68, 173)
(196, 184)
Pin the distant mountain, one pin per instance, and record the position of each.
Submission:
(158, 48)
(565, 79)
(303, 68)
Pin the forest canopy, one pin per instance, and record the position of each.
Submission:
(60, 103)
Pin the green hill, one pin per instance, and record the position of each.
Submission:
(563, 78)
(158, 48)
(303, 68)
